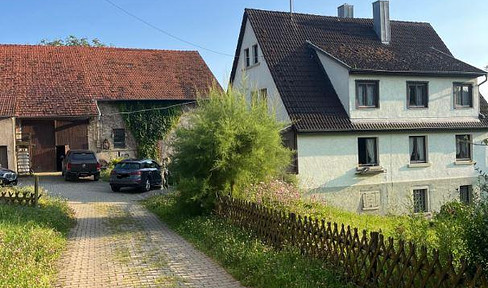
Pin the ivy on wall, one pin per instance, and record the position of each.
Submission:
(150, 123)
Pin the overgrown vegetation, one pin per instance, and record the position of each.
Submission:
(457, 229)
(31, 240)
(228, 145)
(240, 253)
(150, 123)
(72, 40)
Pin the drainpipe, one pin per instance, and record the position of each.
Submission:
(99, 124)
(484, 81)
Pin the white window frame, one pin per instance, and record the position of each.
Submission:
(247, 58)
(255, 54)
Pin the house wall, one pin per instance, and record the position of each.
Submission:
(339, 77)
(258, 76)
(7, 138)
(101, 129)
(341, 186)
(393, 100)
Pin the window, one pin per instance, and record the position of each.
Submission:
(119, 138)
(418, 149)
(463, 95)
(367, 94)
(367, 151)
(255, 54)
(417, 94)
(463, 147)
(247, 57)
(256, 95)
(420, 200)
(466, 194)
(263, 94)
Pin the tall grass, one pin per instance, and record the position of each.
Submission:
(31, 239)
(240, 253)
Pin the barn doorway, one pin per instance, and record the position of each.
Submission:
(3, 157)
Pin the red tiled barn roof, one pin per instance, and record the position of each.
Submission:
(46, 81)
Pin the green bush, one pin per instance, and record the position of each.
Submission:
(240, 253)
(476, 235)
(228, 145)
(31, 240)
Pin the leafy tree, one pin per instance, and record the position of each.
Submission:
(228, 145)
(73, 41)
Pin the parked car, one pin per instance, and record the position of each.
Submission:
(80, 163)
(7, 177)
(142, 174)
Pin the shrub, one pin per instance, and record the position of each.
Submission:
(449, 226)
(476, 235)
(228, 145)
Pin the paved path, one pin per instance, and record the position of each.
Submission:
(118, 243)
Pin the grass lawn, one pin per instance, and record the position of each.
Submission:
(240, 253)
(31, 240)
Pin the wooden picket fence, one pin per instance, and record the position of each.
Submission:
(367, 260)
(21, 198)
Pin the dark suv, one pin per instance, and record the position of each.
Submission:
(142, 174)
(80, 163)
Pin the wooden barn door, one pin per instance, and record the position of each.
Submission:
(41, 133)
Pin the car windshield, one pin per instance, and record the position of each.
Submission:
(83, 156)
(128, 166)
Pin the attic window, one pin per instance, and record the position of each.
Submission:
(463, 95)
(367, 94)
(247, 57)
(255, 54)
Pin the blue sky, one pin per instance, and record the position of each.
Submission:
(215, 24)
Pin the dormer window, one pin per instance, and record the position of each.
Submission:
(367, 94)
(247, 57)
(463, 95)
(255, 54)
(417, 94)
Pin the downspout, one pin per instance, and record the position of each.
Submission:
(99, 125)
(486, 79)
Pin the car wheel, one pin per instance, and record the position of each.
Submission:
(66, 177)
(147, 185)
(115, 188)
(96, 177)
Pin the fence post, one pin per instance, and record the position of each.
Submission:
(373, 256)
(36, 189)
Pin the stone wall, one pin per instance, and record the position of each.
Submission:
(100, 130)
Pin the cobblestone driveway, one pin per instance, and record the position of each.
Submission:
(118, 243)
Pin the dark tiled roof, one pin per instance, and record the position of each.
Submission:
(311, 102)
(46, 81)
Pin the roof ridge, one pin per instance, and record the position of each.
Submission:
(90, 47)
(333, 17)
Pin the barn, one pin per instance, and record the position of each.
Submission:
(53, 99)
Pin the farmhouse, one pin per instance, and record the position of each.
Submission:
(383, 117)
(53, 99)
